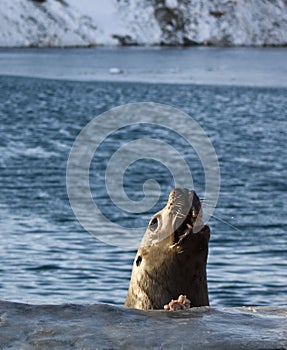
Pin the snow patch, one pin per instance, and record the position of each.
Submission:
(171, 3)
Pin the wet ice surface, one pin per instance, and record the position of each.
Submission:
(102, 326)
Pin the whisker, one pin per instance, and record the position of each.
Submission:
(206, 201)
(180, 215)
(226, 223)
(206, 204)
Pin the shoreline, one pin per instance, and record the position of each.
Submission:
(231, 84)
(178, 46)
(200, 65)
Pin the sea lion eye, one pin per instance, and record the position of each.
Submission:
(153, 224)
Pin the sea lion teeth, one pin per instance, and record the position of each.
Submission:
(183, 236)
(189, 227)
(173, 259)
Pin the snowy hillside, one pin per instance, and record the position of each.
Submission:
(142, 22)
(44, 23)
(208, 22)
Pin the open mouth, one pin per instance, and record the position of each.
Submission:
(185, 208)
(187, 227)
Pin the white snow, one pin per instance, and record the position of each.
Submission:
(104, 15)
(52, 23)
(223, 22)
(171, 3)
(143, 22)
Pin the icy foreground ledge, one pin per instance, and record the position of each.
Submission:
(104, 326)
(56, 23)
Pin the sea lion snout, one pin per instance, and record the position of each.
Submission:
(181, 217)
(185, 209)
(172, 257)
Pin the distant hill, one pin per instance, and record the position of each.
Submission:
(58, 23)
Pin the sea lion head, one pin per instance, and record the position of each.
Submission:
(172, 257)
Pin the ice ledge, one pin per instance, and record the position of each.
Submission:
(103, 326)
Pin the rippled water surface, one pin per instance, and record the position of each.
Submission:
(47, 257)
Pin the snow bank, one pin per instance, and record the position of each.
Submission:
(59, 23)
(206, 22)
(44, 24)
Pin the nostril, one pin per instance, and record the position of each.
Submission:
(139, 260)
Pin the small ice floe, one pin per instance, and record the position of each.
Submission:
(115, 70)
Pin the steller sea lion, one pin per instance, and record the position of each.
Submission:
(172, 257)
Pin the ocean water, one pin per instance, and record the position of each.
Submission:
(46, 255)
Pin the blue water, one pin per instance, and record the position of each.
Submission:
(47, 257)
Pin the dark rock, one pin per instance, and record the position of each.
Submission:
(125, 40)
(216, 14)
